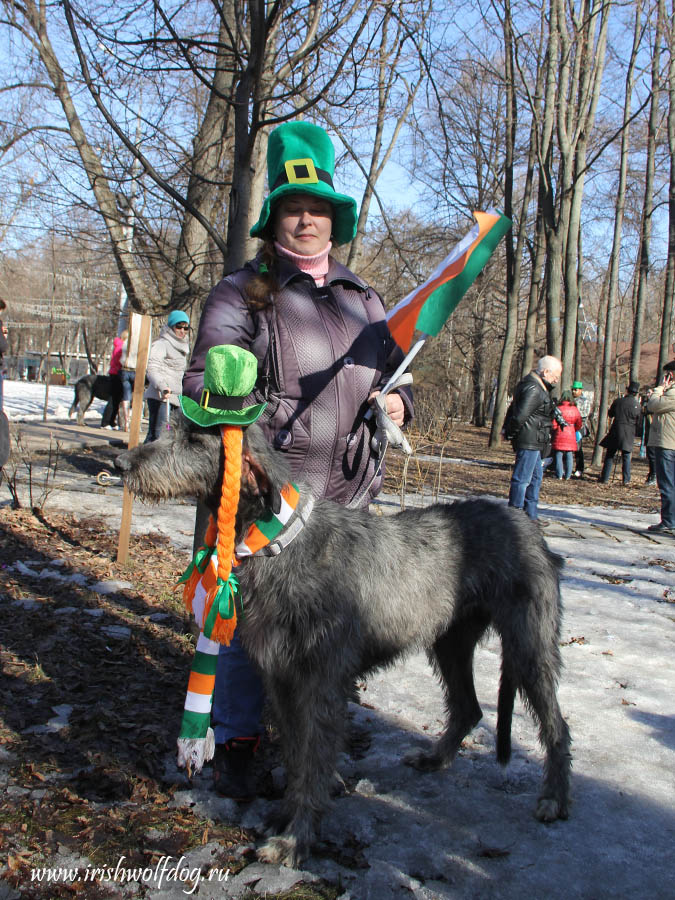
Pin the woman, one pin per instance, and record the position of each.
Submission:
(166, 365)
(564, 441)
(113, 416)
(323, 349)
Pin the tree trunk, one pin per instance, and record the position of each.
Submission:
(192, 277)
(648, 203)
(614, 260)
(669, 288)
(578, 100)
(129, 272)
(513, 258)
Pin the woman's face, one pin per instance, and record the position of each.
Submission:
(180, 329)
(303, 224)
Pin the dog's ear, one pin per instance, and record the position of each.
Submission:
(255, 478)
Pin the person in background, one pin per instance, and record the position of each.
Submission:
(4, 347)
(661, 405)
(564, 441)
(166, 365)
(626, 415)
(323, 349)
(528, 425)
(114, 413)
(583, 404)
(649, 451)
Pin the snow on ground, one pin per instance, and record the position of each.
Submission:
(469, 831)
(24, 401)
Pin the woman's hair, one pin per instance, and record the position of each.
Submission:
(261, 288)
(566, 397)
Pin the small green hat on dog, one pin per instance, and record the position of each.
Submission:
(301, 160)
(230, 374)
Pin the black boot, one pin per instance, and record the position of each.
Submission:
(232, 764)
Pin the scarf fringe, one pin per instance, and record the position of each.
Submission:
(223, 627)
(194, 752)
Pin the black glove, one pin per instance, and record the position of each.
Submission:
(560, 419)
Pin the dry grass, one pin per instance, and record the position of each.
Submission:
(471, 468)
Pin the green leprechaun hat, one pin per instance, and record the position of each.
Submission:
(301, 160)
(230, 375)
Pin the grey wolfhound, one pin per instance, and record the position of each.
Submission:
(86, 389)
(353, 592)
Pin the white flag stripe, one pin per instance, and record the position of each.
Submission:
(285, 513)
(204, 645)
(197, 703)
(454, 254)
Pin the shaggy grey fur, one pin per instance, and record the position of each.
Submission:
(353, 592)
(86, 388)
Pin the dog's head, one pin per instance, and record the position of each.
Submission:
(188, 461)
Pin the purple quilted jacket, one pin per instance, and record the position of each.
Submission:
(321, 351)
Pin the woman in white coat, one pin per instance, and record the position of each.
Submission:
(166, 364)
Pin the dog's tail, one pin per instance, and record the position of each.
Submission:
(507, 696)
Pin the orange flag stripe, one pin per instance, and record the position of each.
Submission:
(199, 683)
(255, 539)
(402, 323)
(290, 494)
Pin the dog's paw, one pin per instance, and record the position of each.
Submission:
(549, 809)
(284, 850)
(423, 760)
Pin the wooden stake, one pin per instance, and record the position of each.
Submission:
(134, 431)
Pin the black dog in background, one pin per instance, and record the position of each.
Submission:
(86, 389)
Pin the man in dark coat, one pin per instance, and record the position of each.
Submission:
(528, 426)
(626, 414)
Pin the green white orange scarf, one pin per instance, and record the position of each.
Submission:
(213, 604)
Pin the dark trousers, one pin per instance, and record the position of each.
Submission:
(609, 462)
(158, 419)
(579, 458)
(665, 478)
(113, 405)
(526, 482)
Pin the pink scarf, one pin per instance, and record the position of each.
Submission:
(316, 266)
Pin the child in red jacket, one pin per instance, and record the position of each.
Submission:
(565, 439)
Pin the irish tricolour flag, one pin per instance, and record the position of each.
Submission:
(429, 305)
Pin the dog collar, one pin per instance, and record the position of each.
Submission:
(269, 535)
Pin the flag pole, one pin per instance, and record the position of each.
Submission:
(407, 359)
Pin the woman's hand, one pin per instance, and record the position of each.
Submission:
(395, 407)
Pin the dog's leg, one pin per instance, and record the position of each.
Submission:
(453, 653)
(540, 693)
(83, 400)
(312, 721)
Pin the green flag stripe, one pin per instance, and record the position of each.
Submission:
(205, 663)
(269, 525)
(445, 298)
(194, 725)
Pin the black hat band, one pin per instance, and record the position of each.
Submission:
(301, 171)
(221, 401)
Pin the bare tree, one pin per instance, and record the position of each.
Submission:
(666, 337)
(648, 197)
(614, 259)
